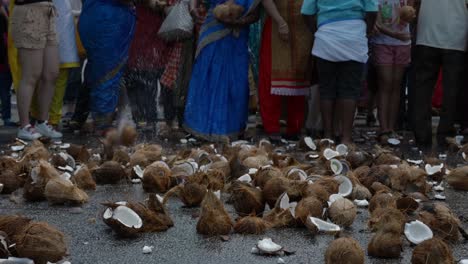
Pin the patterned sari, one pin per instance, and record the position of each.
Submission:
(217, 101)
(106, 30)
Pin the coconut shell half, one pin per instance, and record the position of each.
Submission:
(35, 184)
(61, 191)
(458, 178)
(344, 250)
(110, 172)
(247, 200)
(83, 179)
(214, 220)
(123, 220)
(251, 225)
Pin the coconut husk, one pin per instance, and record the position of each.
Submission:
(278, 217)
(157, 177)
(380, 187)
(385, 245)
(214, 220)
(329, 184)
(263, 175)
(110, 172)
(387, 220)
(58, 161)
(418, 196)
(4, 244)
(190, 193)
(35, 152)
(83, 179)
(359, 158)
(344, 250)
(250, 151)
(246, 199)
(294, 173)
(60, 191)
(156, 206)
(9, 163)
(360, 192)
(322, 144)
(443, 222)
(224, 167)
(139, 158)
(317, 191)
(127, 135)
(274, 188)
(256, 161)
(152, 222)
(283, 161)
(251, 225)
(35, 184)
(399, 178)
(40, 242)
(363, 175)
(310, 206)
(79, 153)
(10, 181)
(342, 212)
(121, 156)
(13, 224)
(386, 158)
(417, 181)
(118, 227)
(432, 251)
(458, 178)
(407, 204)
(382, 200)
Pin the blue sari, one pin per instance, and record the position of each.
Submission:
(217, 101)
(106, 30)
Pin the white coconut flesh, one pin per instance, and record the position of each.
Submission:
(336, 166)
(327, 140)
(160, 198)
(463, 261)
(66, 168)
(252, 171)
(136, 181)
(192, 140)
(17, 260)
(35, 174)
(65, 146)
(302, 174)
(183, 141)
(264, 142)
(310, 143)
(330, 153)
(239, 143)
(66, 176)
(218, 194)
(393, 166)
(342, 149)
(125, 216)
(416, 162)
(267, 245)
(68, 159)
(314, 156)
(121, 203)
(3, 242)
(346, 186)
(334, 197)
(393, 141)
(245, 178)
(417, 232)
(465, 156)
(459, 140)
(1, 187)
(138, 171)
(440, 197)
(431, 170)
(439, 188)
(361, 203)
(17, 148)
(284, 202)
(323, 225)
(147, 249)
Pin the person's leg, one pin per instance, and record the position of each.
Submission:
(426, 69)
(453, 63)
(328, 76)
(167, 98)
(384, 95)
(296, 112)
(31, 61)
(5, 96)
(348, 110)
(394, 99)
(50, 72)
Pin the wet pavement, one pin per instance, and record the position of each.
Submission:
(91, 241)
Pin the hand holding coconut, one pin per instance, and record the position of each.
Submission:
(228, 12)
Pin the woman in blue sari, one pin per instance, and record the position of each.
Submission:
(106, 30)
(217, 102)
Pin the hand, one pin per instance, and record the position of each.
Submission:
(197, 17)
(283, 31)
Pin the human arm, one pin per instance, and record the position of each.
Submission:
(309, 13)
(246, 20)
(273, 12)
(311, 22)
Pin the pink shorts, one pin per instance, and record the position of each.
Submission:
(391, 55)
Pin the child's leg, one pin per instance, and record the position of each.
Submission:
(296, 112)
(5, 95)
(394, 107)
(384, 95)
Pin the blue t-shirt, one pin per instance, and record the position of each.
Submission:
(337, 10)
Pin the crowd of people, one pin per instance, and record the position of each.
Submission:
(105, 56)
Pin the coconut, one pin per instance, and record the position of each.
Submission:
(360, 192)
(407, 13)
(379, 187)
(9, 163)
(316, 224)
(13, 224)
(214, 220)
(359, 158)
(267, 246)
(35, 184)
(35, 152)
(127, 135)
(310, 206)
(274, 188)
(382, 200)
(190, 193)
(224, 167)
(442, 221)
(152, 222)
(363, 175)
(329, 154)
(247, 200)
(256, 161)
(10, 181)
(139, 158)
(110, 172)
(458, 178)
(432, 251)
(184, 168)
(407, 204)
(154, 203)
(307, 143)
(283, 214)
(264, 174)
(157, 177)
(346, 187)
(294, 173)
(60, 191)
(330, 184)
(83, 179)
(335, 166)
(417, 232)
(251, 225)
(79, 153)
(121, 156)
(342, 212)
(123, 220)
(385, 245)
(387, 158)
(212, 179)
(317, 191)
(344, 250)
(387, 220)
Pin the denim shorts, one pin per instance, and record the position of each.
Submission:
(340, 80)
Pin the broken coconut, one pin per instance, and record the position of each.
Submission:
(122, 220)
(246, 199)
(251, 225)
(309, 206)
(330, 154)
(267, 246)
(385, 245)
(214, 220)
(336, 166)
(346, 186)
(190, 193)
(157, 177)
(83, 178)
(344, 250)
(110, 172)
(316, 224)
(432, 251)
(417, 232)
(342, 212)
(60, 191)
(35, 184)
(458, 178)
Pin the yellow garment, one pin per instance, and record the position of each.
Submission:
(55, 109)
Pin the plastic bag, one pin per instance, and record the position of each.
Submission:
(178, 24)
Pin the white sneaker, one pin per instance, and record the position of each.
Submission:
(28, 133)
(47, 130)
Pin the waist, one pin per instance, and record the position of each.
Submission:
(27, 2)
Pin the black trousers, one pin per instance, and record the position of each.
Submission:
(427, 63)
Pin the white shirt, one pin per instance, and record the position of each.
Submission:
(443, 24)
(342, 41)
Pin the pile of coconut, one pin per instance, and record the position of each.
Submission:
(38, 241)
